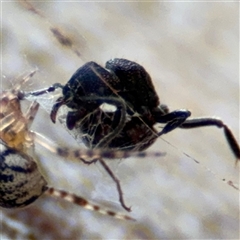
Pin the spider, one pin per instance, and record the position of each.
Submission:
(133, 109)
(21, 181)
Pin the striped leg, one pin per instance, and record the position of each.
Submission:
(84, 203)
(31, 113)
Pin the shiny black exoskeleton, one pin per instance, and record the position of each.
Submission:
(123, 84)
(117, 107)
(129, 125)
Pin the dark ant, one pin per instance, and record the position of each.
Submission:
(125, 86)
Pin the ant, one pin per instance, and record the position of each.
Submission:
(133, 108)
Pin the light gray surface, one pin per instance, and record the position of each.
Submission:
(191, 52)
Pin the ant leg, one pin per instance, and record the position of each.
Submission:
(116, 180)
(53, 115)
(84, 203)
(122, 108)
(173, 120)
(24, 95)
(203, 122)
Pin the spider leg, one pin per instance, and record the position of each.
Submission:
(31, 113)
(6, 121)
(14, 228)
(77, 154)
(117, 182)
(96, 155)
(208, 121)
(88, 162)
(18, 85)
(84, 203)
(22, 124)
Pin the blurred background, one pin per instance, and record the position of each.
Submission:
(191, 51)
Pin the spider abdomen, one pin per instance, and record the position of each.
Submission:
(20, 180)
